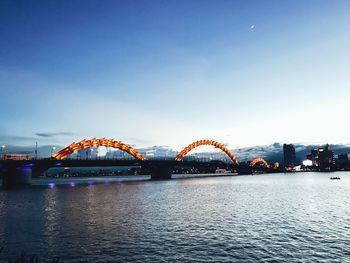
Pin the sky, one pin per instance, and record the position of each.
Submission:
(168, 73)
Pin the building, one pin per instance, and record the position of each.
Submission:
(289, 156)
(322, 157)
(342, 161)
(343, 157)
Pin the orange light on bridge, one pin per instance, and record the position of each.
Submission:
(259, 160)
(193, 145)
(276, 165)
(84, 144)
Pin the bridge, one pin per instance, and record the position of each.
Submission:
(17, 173)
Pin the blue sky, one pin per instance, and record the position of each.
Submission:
(171, 72)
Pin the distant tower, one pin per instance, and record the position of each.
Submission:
(289, 155)
(325, 157)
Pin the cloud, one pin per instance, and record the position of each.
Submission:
(10, 138)
(53, 134)
(136, 140)
(42, 137)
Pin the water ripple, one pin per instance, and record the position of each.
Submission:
(268, 218)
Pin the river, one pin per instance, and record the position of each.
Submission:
(278, 217)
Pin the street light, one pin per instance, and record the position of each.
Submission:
(91, 151)
(2, 149)
(52, 150)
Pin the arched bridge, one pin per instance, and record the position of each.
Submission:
(259, 160)
(18, 172)
(85, 144)
(195, 144)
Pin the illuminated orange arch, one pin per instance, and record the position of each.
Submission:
(193, 145)
(259, 160)
(84, 144)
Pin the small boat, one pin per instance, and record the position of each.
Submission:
(335, 178)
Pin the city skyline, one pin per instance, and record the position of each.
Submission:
(169, 73)
(272, 153)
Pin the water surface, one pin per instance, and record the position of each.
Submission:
(290, 218)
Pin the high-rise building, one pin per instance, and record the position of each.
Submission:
(342, 160)
(289, 155)
(322, 157)
(325, 157)
(343, 157)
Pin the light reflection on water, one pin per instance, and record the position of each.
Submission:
(299, 217)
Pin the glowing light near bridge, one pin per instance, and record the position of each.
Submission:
(84, 144)
(257, 161)
(193, 145)
(307, 163)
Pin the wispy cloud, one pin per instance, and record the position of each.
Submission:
(12, 138)
(53, 134)
(43, 138)
(136, 140)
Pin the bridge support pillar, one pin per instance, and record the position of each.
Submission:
(244, 170)
(161, 172)
(13, 177)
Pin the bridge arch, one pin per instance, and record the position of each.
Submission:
(84, 144)
(193, 145)
(259, 160)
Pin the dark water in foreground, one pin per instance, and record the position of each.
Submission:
(290, 218)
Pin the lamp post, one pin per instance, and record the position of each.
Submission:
(2, 149)
(36, 150)
(52, 150)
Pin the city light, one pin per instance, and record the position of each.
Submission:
(307, 163)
